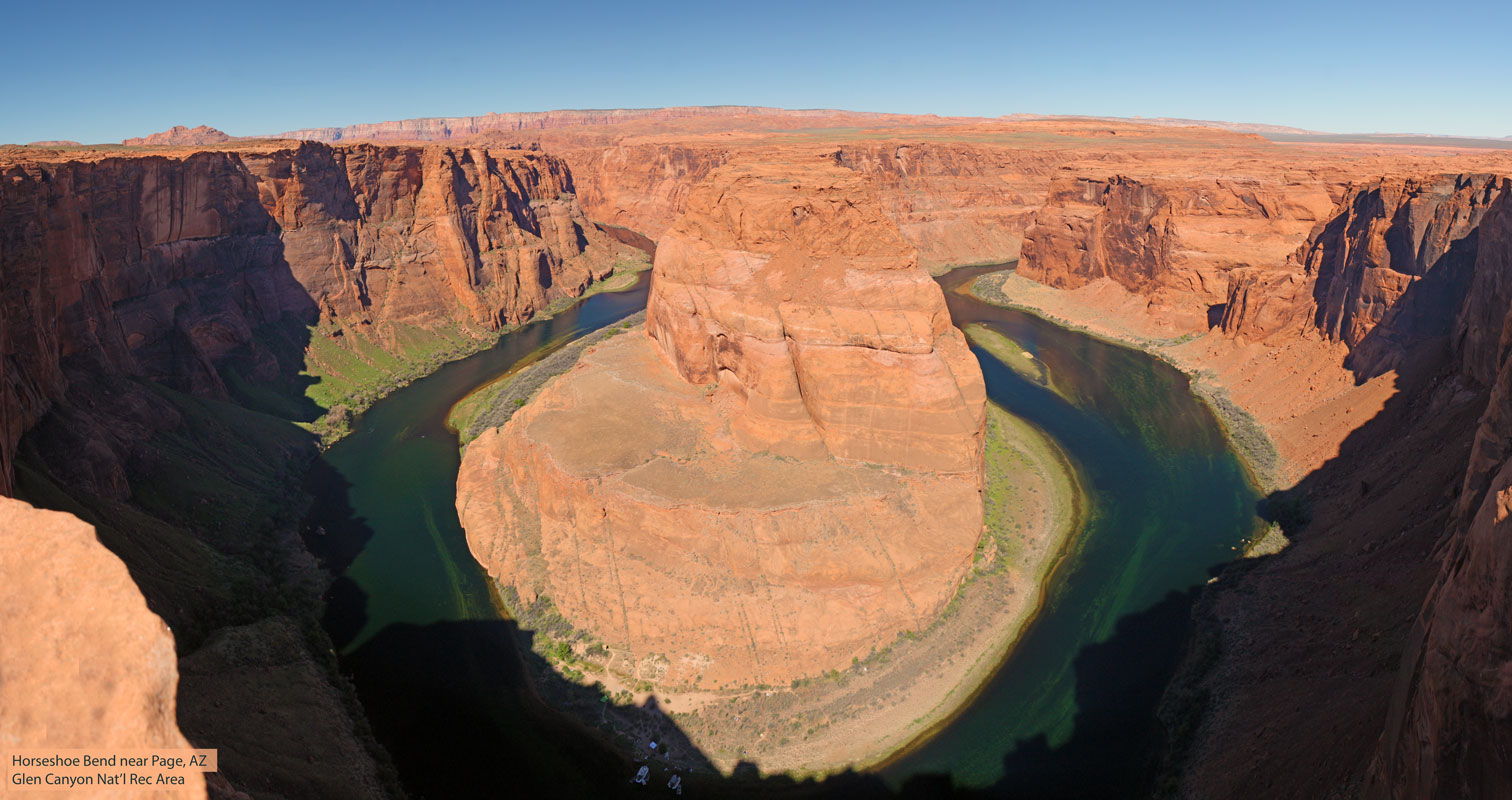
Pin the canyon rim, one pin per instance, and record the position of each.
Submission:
(737, 450)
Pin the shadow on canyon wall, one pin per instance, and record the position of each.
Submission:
(1304, 645)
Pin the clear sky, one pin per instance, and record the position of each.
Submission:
(98, 72)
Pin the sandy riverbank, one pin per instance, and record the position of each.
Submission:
(1286, 406)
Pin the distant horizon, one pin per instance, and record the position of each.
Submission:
(131, 70)
(1281, 127)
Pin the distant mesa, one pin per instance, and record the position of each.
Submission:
(55, 143)
(179, 135)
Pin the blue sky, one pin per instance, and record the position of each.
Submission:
(103, 72)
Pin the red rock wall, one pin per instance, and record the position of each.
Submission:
(1174, 240)
(956, 203)
(1450, 729)
(159, 267)
(1386, 235)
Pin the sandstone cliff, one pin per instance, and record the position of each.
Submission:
(1410, 274)
(1450, 729)
(84, 663)
(1173, 240)
(785, 477)
(1387, 236)
(1400, 287)
(956, 202)
(166, 268)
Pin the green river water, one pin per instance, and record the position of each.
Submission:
(1070, 712)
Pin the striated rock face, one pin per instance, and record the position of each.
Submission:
(1450, 729)
(807, 303)
(643, 186)
(409, 234)
(783, 476)
(1390, 235)
(958, 204)
(84, 663)
(164, 267)
(1174, 240)
(1350, 280)
(179, 135)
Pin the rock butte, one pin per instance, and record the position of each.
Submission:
(782, 476)
(180, 135)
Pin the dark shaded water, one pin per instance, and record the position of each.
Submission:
(1070, 713)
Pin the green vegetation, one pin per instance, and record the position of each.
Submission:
(344, 367)
(621, 278)
(351, 366)
(1012, 354)
(1245, 434)
(1273, 540)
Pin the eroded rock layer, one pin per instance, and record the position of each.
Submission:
(782, 476)
(1174, 240)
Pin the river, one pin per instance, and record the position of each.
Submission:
(1070, 712)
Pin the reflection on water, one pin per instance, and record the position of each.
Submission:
(1070, 711)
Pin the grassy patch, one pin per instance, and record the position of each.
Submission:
(1014, 356)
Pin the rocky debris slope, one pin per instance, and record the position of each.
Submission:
(84, 663)
(179, 135)
(782, 476)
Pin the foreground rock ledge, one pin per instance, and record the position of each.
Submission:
(83, 662)
(784, 478)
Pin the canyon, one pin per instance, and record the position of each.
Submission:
(1351, 300)
(164, 319)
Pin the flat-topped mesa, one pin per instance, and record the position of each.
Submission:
(782, 478)
(806, 300)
